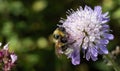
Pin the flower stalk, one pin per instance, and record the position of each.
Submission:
(114, 64)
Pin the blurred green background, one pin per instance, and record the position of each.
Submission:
(28, 25)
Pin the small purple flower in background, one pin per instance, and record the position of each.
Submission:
(88, 28)
(7, 58)
(13, 58)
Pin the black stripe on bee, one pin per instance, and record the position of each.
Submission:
(61, 29)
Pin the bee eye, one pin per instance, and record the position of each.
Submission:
(63, 40)
(56, 36)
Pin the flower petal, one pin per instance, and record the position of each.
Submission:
(103, 49)
(105, 26)
(105, 14)
(98, 9)
(104, 41)
(108, 36)
(76, 57)
(94, 58)
(88, 54)
(104, 20)
(94, 52)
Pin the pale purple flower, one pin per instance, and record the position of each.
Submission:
(13, 58)
(7, 58)
(5, 47)
(87, 31)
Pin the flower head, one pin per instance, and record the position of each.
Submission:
(88, 28)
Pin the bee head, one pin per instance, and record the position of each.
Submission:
(60, 35)
(56, 36)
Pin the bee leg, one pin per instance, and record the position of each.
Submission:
(72, 42)
(66, 45)
(63, 48)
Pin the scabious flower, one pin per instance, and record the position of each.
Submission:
(88, 32)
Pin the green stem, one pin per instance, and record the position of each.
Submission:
(115, 66)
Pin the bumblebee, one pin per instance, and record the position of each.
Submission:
(60, 39)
